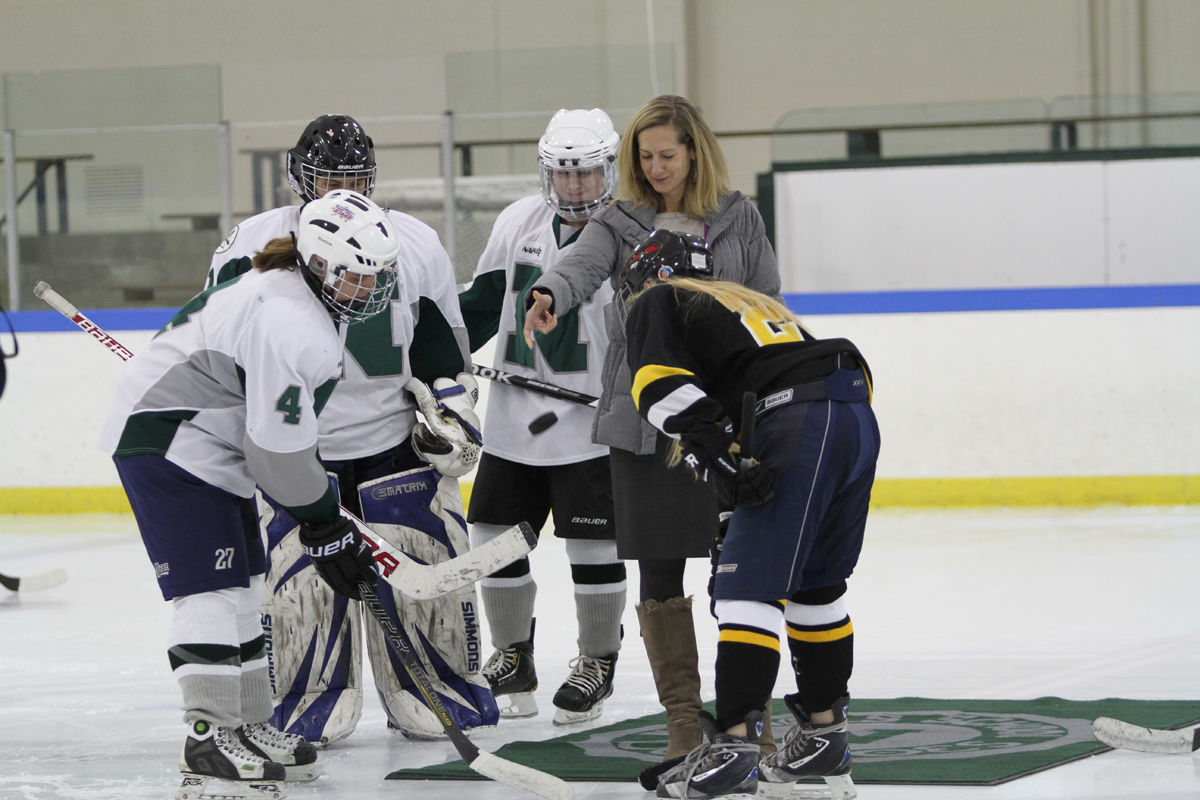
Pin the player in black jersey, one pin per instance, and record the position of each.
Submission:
(696, 348)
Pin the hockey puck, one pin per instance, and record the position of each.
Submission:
(543, 423)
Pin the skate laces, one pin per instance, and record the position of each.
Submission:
(588, 673)
(723, 747)
(271, 736)
(502, 661)
(228, 742)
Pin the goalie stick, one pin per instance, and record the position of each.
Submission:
(483, 762)
(416, 580)
(34, 583)
(1115, 733)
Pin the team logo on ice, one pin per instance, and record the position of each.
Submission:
(883, 736)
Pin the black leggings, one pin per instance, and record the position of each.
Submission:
(661, 579)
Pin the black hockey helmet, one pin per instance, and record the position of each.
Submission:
(665, 254)
(335, 150)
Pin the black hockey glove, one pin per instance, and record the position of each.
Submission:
(737, 484)
(339, 554)
(751, 486)
(707, 451)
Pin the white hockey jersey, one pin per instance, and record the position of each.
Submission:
(230, 389)
(523, 245)
(422, 334)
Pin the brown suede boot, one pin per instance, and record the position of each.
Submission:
(670, 639)
(766, 741)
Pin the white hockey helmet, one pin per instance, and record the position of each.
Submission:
(577, 162)
(348, 250)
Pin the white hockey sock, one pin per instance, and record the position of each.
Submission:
(205, 656)
(508, 595)
(600, 589)
(256, 681)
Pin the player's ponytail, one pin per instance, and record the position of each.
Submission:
(278, 253)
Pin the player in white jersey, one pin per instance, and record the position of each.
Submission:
(225, 398)
(371, 442)
(522, 475)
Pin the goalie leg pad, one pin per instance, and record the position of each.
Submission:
(420, 512)
(312, 637)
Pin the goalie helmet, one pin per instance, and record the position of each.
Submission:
(666, 254)
(577, 162)
(333, 153)
(348, 250)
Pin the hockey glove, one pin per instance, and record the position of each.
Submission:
(707, 451)
(751, 486)
(339, 554)
(449, 438)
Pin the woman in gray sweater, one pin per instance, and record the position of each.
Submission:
(672, 175)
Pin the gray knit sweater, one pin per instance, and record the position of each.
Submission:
(741, 254)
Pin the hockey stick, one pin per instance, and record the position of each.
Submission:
(746, 449)
(1115, 733)
(548, 389)
(426, 581)
(416, 580)
(483, 762)
(60, 304)
(34, 583)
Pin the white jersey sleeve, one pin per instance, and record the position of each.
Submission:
(234, 255)
(231, 387)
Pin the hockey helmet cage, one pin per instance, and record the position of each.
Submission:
(577, 162)
(665, 254)
(348, 252)
(333, 153)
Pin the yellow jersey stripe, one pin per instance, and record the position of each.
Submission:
(749, 637)
(821, 636)
(649, 374)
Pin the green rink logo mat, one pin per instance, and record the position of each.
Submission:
(907, 740)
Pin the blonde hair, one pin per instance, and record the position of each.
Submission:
(736, 298)
(707, 178)
(277, 254)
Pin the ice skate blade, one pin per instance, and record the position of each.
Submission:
(837, 787)
(520, 705)
(564, 717)
(678, 790)
(204, 787)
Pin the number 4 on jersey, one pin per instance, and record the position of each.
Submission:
(288, 404)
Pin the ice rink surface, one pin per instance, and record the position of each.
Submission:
(952, 604)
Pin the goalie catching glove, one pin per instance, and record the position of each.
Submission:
(339, 554)
(450, 437)
(706, 451)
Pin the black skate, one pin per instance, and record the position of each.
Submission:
(723, 766)
(582, 695)
(216, 765)
(297, 755)
(811, 751)
(510, 673)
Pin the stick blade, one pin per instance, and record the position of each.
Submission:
(35, 583)
(521, 776)
(1115, 733)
